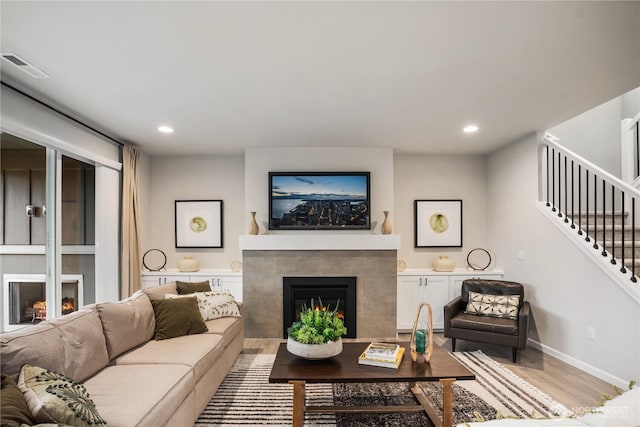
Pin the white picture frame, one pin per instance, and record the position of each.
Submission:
(198, 223)
(438, 223)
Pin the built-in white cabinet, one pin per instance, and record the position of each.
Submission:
(218, 279)
(436, 288)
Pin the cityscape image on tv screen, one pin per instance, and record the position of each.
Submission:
(319, 201)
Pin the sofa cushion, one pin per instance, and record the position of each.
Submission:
(157, 292)
(38, 345)
(127, 324)
(213, 304)
(13, 406)
(177, 317)
(128, 395)
(85, 349)
(484, 323)
(184, 288)
(53, 397)
(505, 306)
(199, 352)
(228, 327)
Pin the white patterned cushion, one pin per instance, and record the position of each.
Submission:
(213, 304)
(54, 398)
(505, 306)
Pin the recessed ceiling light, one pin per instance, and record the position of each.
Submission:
(165, 129)
(470, 129)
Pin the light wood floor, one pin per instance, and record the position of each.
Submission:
(568, 385)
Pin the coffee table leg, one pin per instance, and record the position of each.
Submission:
(447, 401)
(298, 403)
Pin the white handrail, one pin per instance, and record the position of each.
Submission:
(550, 140)
(634, 120)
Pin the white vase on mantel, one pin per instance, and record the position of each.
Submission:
(253, 225)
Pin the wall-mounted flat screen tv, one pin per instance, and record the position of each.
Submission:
(319, 201)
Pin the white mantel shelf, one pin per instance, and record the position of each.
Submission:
(320, 242)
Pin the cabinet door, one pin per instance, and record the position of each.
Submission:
(233, 284)
(151, 281)
(436, 293)
(169, 279)
(408, 291)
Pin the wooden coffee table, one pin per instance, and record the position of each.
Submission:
(344, 368)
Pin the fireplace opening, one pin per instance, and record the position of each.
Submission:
(25, 301)
(299, 291)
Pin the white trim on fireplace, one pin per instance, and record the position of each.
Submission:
(28, 278)
(311, 242)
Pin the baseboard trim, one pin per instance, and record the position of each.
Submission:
(592, 370)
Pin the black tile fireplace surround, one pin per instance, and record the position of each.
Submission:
(299, 291)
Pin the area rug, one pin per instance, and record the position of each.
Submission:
(246, 398)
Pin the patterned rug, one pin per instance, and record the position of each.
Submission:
(246, 397)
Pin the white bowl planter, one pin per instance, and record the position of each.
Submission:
(315, 351)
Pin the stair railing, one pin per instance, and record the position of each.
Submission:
(586, 198)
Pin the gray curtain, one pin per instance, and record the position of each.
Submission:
(131, 259)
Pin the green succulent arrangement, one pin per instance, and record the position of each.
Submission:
(317, 326)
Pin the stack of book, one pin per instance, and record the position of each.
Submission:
(382, 354)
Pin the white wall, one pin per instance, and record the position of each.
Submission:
(567, 291)
(440, 177)
(595, 135)
(260, 161)
(631, 103)
(195, 178)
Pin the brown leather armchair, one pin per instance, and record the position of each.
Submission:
(483, 328)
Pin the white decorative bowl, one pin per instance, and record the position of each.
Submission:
(315, 351)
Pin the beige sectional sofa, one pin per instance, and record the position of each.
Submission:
(133, 379)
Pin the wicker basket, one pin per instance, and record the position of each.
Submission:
(428, 350)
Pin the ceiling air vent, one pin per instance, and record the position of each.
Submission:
(25, 66)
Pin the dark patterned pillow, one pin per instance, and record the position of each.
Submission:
(55, 398)
(505, 306)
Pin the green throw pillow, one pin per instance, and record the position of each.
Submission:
(177, 317)
(54, 398)
(191, 287)
(14, 410)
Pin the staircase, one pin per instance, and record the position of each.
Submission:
(610, 228)
(596, 209)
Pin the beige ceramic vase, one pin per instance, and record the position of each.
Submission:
(386, 225)
(443, 263)
(253, 225)
(188, 263)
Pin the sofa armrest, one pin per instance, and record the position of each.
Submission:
(524, 320)
(451, 309)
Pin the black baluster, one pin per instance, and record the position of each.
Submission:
(586, 179)
(553, 180)
(633, 240)
(604, 218)
(559, 186)
(613, 226)
(637, 151)
(622, 268)
(547, 152)
(573, 198)
(566, 206)
(580, 200)
(595, 211)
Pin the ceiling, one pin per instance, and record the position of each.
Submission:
(407, 75)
